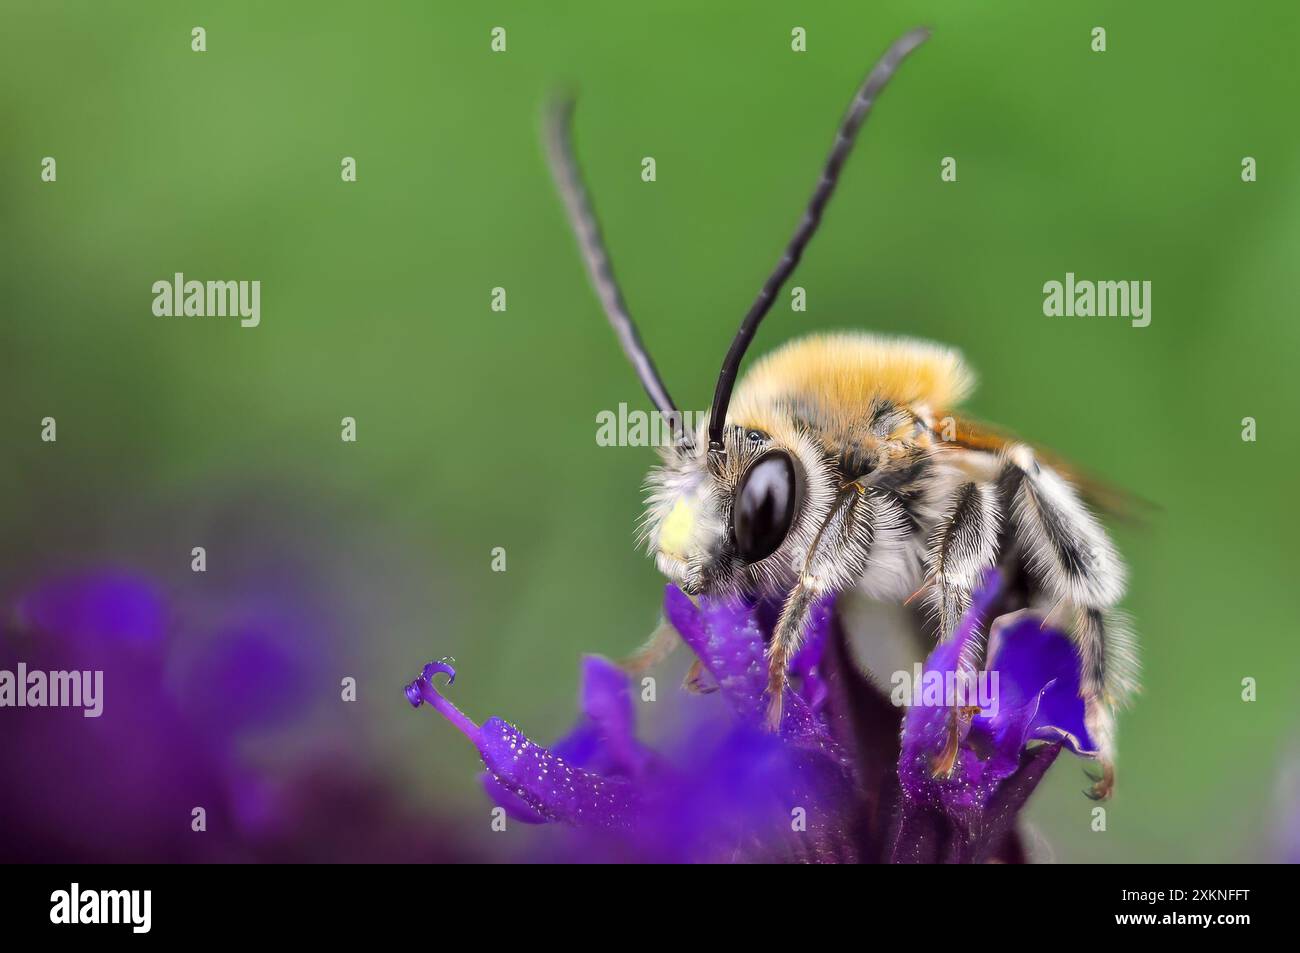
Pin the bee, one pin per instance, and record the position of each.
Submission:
(841, 462)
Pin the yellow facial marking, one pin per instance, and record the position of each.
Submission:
(676, 531)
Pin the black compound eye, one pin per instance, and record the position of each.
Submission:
(764, 507)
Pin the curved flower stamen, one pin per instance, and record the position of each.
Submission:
(422, 690)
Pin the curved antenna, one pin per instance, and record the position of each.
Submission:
(852, 122)
(582, 217)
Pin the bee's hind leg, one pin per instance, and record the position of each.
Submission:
(1075, 563)
(1100, 640)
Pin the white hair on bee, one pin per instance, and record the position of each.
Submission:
(1119, 680)
(1068, 549)
(689, 497)
(959, 548)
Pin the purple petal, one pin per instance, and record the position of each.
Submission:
(555, 789)
(928, 727)
(962, 650)
(929, 835)
(1033, 660)
(728, 638)
(968, 814)
(738, 799)
(990, 743)
(515, 807)
(806, 665)
(604, 739)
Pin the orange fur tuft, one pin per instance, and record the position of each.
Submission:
(847, 373)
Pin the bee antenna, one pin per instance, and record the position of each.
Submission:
(558, 133)
(852, 122)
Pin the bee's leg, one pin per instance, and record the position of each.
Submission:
(656, 648)
(1092, 635)
(785, 642)
(962, 545)
(1075, 563)
(863, 524)
(943, 763)
(698, 681)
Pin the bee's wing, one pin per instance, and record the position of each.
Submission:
(1101, 494)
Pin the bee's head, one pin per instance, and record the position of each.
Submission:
(725, 523)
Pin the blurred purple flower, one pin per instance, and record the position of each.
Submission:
(93, 608)
(179, 700)
(121, 786)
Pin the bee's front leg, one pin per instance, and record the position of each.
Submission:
(860, 521)
(785, 642)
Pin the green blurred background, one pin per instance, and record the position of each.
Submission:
(477, 429)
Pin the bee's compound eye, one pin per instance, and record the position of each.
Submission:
(764, 506)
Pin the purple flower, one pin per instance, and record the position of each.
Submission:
(725, 791)
(966, 766)
(834, 784)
